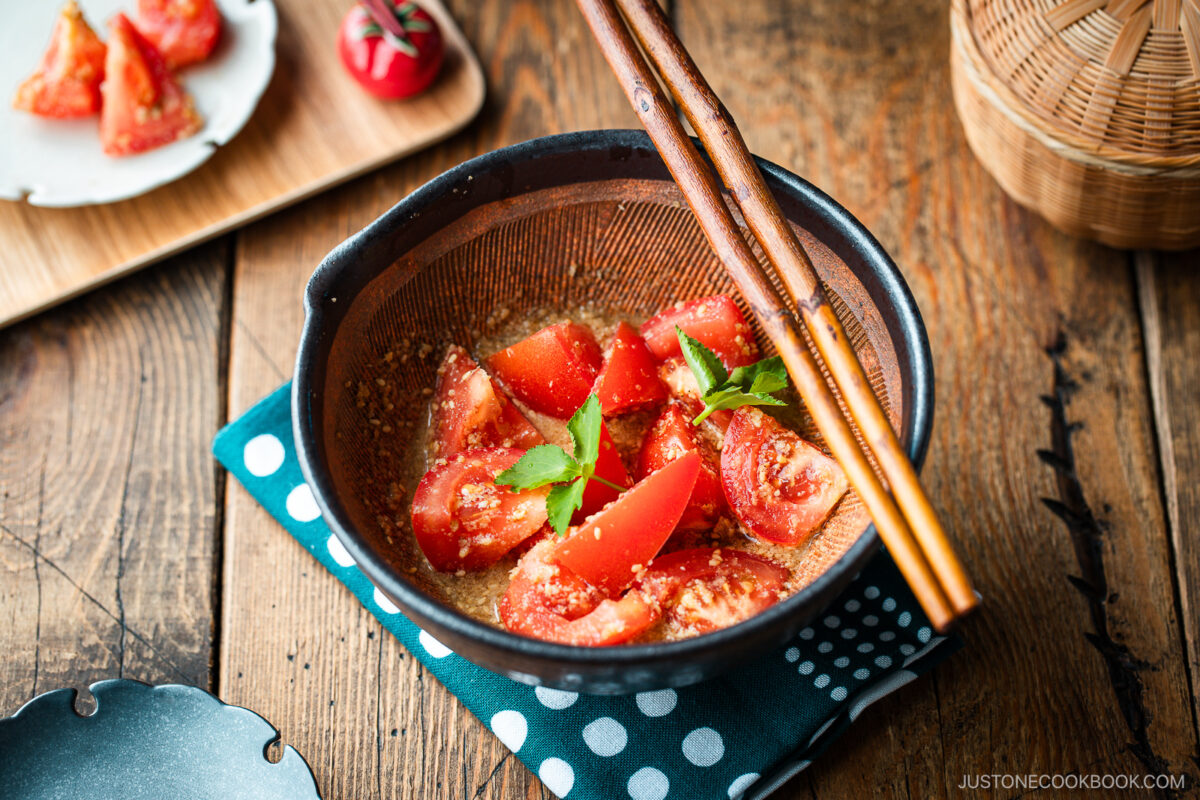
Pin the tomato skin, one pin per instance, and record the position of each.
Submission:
(548, 601)
(462, 520)
(371, 57)
(671, 437)
(470, 411)
(66, 83)
(706, 589)
(779, 486)
(716, 322)
(551, 371)
(184, 31)
(144, 106)
(610, 467)
(628, 381)
(677, 376)
(611, 547)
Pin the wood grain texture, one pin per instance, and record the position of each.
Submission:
(1170, 302)
(296, 646)
(838, 93)
(108, 497)
(313, 128)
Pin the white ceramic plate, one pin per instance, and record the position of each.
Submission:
(60, 163)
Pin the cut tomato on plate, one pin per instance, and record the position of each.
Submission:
(629, 379)
(707, 589)
(144, 106)
(611, 468)
(677, 376)
(716, 322)
(671, 437)
(548, 601)
(184, 31)
(611, 547)
(470, 411)
(779, 486)
(463, 520)
(552, 371)
(67, 82)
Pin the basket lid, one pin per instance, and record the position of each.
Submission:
(1113, 77)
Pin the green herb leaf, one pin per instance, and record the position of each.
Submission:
(709, 371)
(584, 427)
(562, 502)
(766, 376)
(751, 385)
(546, 463)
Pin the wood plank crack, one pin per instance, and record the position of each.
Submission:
(1087, 534)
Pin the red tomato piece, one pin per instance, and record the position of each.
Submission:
(184, 31)
(671, 437)
(552, 371)
(470, 411)
(384, 64)
(716, 322)
(611, 547)
(706, 589)
(144, 106)
(629, 379)
(677, 376)
(67, 82)
(548, 601)
(781, 487)
(463, 520)
(610, 467)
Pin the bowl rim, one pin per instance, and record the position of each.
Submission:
(318, 477)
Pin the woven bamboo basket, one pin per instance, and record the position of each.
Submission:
(1087, 111)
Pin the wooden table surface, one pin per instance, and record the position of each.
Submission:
(1065, 454)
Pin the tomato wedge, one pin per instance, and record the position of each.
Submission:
(548, 601)
(144, 106)
(781, 487)
(629, 379)
(706, 589)
(611, 547)
(184, 31)
(715, 321)
(470, 411)
(671, 437)
(610, 467)
(463, 520)
(552, 371)
(67, 82)
(677, 376)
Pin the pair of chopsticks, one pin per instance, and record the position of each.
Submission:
(904, 517)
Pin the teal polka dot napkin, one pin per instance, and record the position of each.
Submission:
(741, 735)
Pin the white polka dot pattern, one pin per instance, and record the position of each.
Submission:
(657, 704)
(263, 455)
(556, 699)
(433, 646)
(385, 605)
(338, 551)
(510, 728)
(741, 784)
(557, 775)
(301, 505)
(648, 783)
(703, 747)
(605, 737)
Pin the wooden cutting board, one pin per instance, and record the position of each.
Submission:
(314, 128)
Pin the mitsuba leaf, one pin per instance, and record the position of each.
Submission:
(546, 463)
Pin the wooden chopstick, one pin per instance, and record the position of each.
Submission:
(704, 196)
(729, 153)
